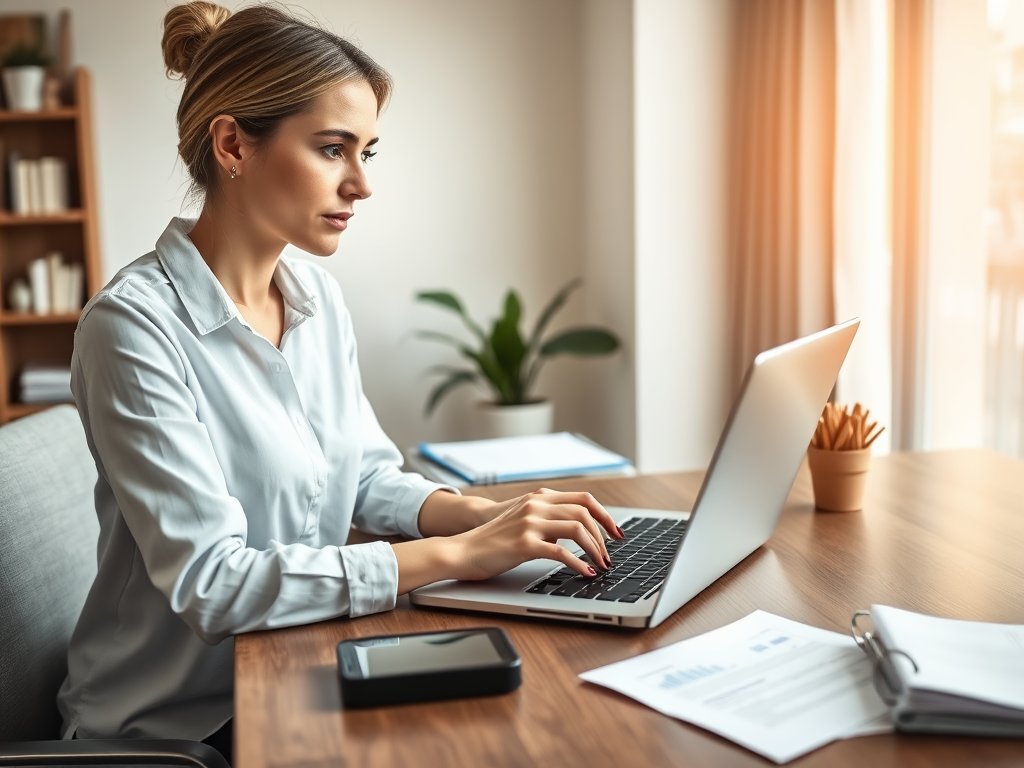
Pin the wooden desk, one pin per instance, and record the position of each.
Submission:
(941, 533)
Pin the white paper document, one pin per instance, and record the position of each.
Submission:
(775, 686)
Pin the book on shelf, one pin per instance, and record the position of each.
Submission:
(510, 459)
(56, 287)
(45, 381)
(37, 187)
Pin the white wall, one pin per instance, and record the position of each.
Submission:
(681, 81)
(608, 214)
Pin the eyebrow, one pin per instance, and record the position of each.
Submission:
(341, 133)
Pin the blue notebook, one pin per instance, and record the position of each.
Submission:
(531, 457)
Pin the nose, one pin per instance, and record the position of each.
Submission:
(356, 183)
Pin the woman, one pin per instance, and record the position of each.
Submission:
(219, 388)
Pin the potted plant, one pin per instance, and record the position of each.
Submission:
(507, 362)
(24, 73)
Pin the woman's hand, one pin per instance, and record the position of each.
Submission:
(473, 538)
(527, 528)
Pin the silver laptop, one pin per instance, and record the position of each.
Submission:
(670, 557)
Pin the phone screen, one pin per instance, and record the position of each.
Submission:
(384, 656)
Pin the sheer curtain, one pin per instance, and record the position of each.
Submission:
(862, 258)
(780, 218)
(911, 87)
(858, 188)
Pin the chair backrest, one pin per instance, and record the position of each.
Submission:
(48, 535)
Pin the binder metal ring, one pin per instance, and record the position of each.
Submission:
(886, 677)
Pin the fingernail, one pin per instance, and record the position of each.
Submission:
(591, 571)
(607, 561)
(621, 534)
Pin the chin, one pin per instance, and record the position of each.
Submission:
(325, 247)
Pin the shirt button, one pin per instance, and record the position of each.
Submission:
(276, 367)
(320, 482)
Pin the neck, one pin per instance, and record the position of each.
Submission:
(242, 259)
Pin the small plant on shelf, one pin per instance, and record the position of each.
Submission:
(505, 360)
(23, 77)
(26, 56)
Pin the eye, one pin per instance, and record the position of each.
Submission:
(368, 156)
(333, 151)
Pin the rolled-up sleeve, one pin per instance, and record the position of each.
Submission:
(159, 461)
(373, 580)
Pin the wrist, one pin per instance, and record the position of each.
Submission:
(478, 511)
(444, 513)
(425, 561)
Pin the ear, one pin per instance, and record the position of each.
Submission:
(230, 147)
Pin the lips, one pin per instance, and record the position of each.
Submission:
(338, 220)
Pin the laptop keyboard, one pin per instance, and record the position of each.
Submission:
(639, 564)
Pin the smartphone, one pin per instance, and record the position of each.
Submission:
(427, 666)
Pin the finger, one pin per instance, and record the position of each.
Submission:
(575, 530)
(550, 551)
(549, 511)
(593, 506)
(582, 514)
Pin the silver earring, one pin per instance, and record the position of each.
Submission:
(233, 171)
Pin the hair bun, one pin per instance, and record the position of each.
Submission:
(187, 27)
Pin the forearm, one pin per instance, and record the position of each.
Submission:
(446, 514)
(425, 561)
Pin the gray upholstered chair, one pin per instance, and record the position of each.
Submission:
(48, 534)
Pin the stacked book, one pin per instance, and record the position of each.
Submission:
(56, 287)
(38, 187)
(45, 382)
(511, 459)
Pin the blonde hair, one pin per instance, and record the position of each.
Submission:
(260, 65)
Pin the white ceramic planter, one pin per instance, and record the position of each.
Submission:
(514, 420)
(23, 87)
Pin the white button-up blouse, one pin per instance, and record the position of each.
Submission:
(230, 473)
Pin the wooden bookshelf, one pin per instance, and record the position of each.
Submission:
(64, 113)
(65, 133)
(27, 318)
(8, 219)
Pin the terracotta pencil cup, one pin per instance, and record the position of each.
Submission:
(839, 478)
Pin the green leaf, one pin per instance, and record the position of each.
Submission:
(509, 348)
(489, 367)
(513, 308)
(443, 338)
(450, 301)
(550, 310)
(495, 375)
(454, 380)
(580, 341)
(443, 298)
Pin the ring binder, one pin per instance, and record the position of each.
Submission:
(935, 698)
(887, 680)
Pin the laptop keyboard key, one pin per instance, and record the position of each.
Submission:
(571, 587)
(623, 588)
(591, 590)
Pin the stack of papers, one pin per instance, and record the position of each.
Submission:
(510, 459)
(772, 685)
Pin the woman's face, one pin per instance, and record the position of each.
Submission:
(301, 185)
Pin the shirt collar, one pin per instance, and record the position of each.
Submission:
(204, 298)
